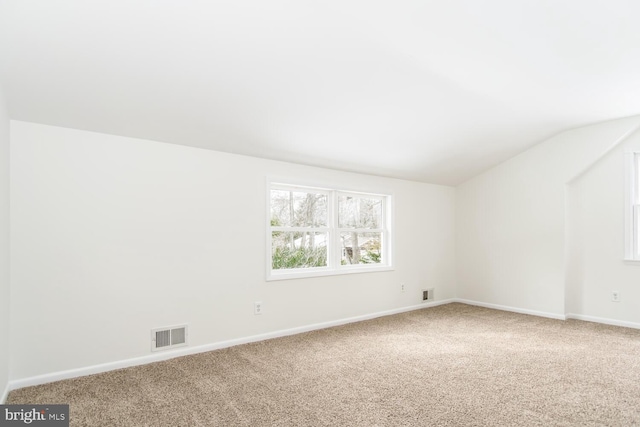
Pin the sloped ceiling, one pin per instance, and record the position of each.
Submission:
(434, 91)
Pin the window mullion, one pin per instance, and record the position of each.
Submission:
(335, 237)
(301, 229)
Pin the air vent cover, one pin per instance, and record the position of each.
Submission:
(427, 295)
(168, 337)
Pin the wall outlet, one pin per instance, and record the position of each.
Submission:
(401, 287)
(257, 307)
(615, 296)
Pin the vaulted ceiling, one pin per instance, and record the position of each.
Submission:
(434, 91)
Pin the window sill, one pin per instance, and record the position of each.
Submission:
(305, 274)
(632, 261)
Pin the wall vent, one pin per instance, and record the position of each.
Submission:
(427, 295)
(168, 337)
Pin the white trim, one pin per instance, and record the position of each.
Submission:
(5, 394)
(605, 321)
(157, 357)
(319, 230)
(613, 322)
(512, 309)
(323, 272)
(630, 226)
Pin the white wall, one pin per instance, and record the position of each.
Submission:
(4, 246)
(510, 231)
(113, 236)
(595, 217)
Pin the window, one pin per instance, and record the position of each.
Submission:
(319, 231)
(632, 210)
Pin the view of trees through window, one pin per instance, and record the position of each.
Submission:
(304, 213)
(305, 231)
(357, 217)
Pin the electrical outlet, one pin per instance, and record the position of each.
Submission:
(401, 287)
(257, 307)
(615, 296)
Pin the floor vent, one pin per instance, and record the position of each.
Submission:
(169, 337)
(427, 295)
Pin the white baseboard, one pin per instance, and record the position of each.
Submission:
(586, 318)
(3, 398)
(606, 321)
(157, 357)
(512, 309)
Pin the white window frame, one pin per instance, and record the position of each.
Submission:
(334, 253)
(632, 206)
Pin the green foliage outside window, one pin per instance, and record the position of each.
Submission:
(285, 257)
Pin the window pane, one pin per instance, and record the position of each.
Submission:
(298, 249)
(298, 209)
(359, 212)
(361, 248)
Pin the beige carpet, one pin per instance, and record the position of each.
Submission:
(453, 365)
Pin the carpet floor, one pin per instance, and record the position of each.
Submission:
(452, 365)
